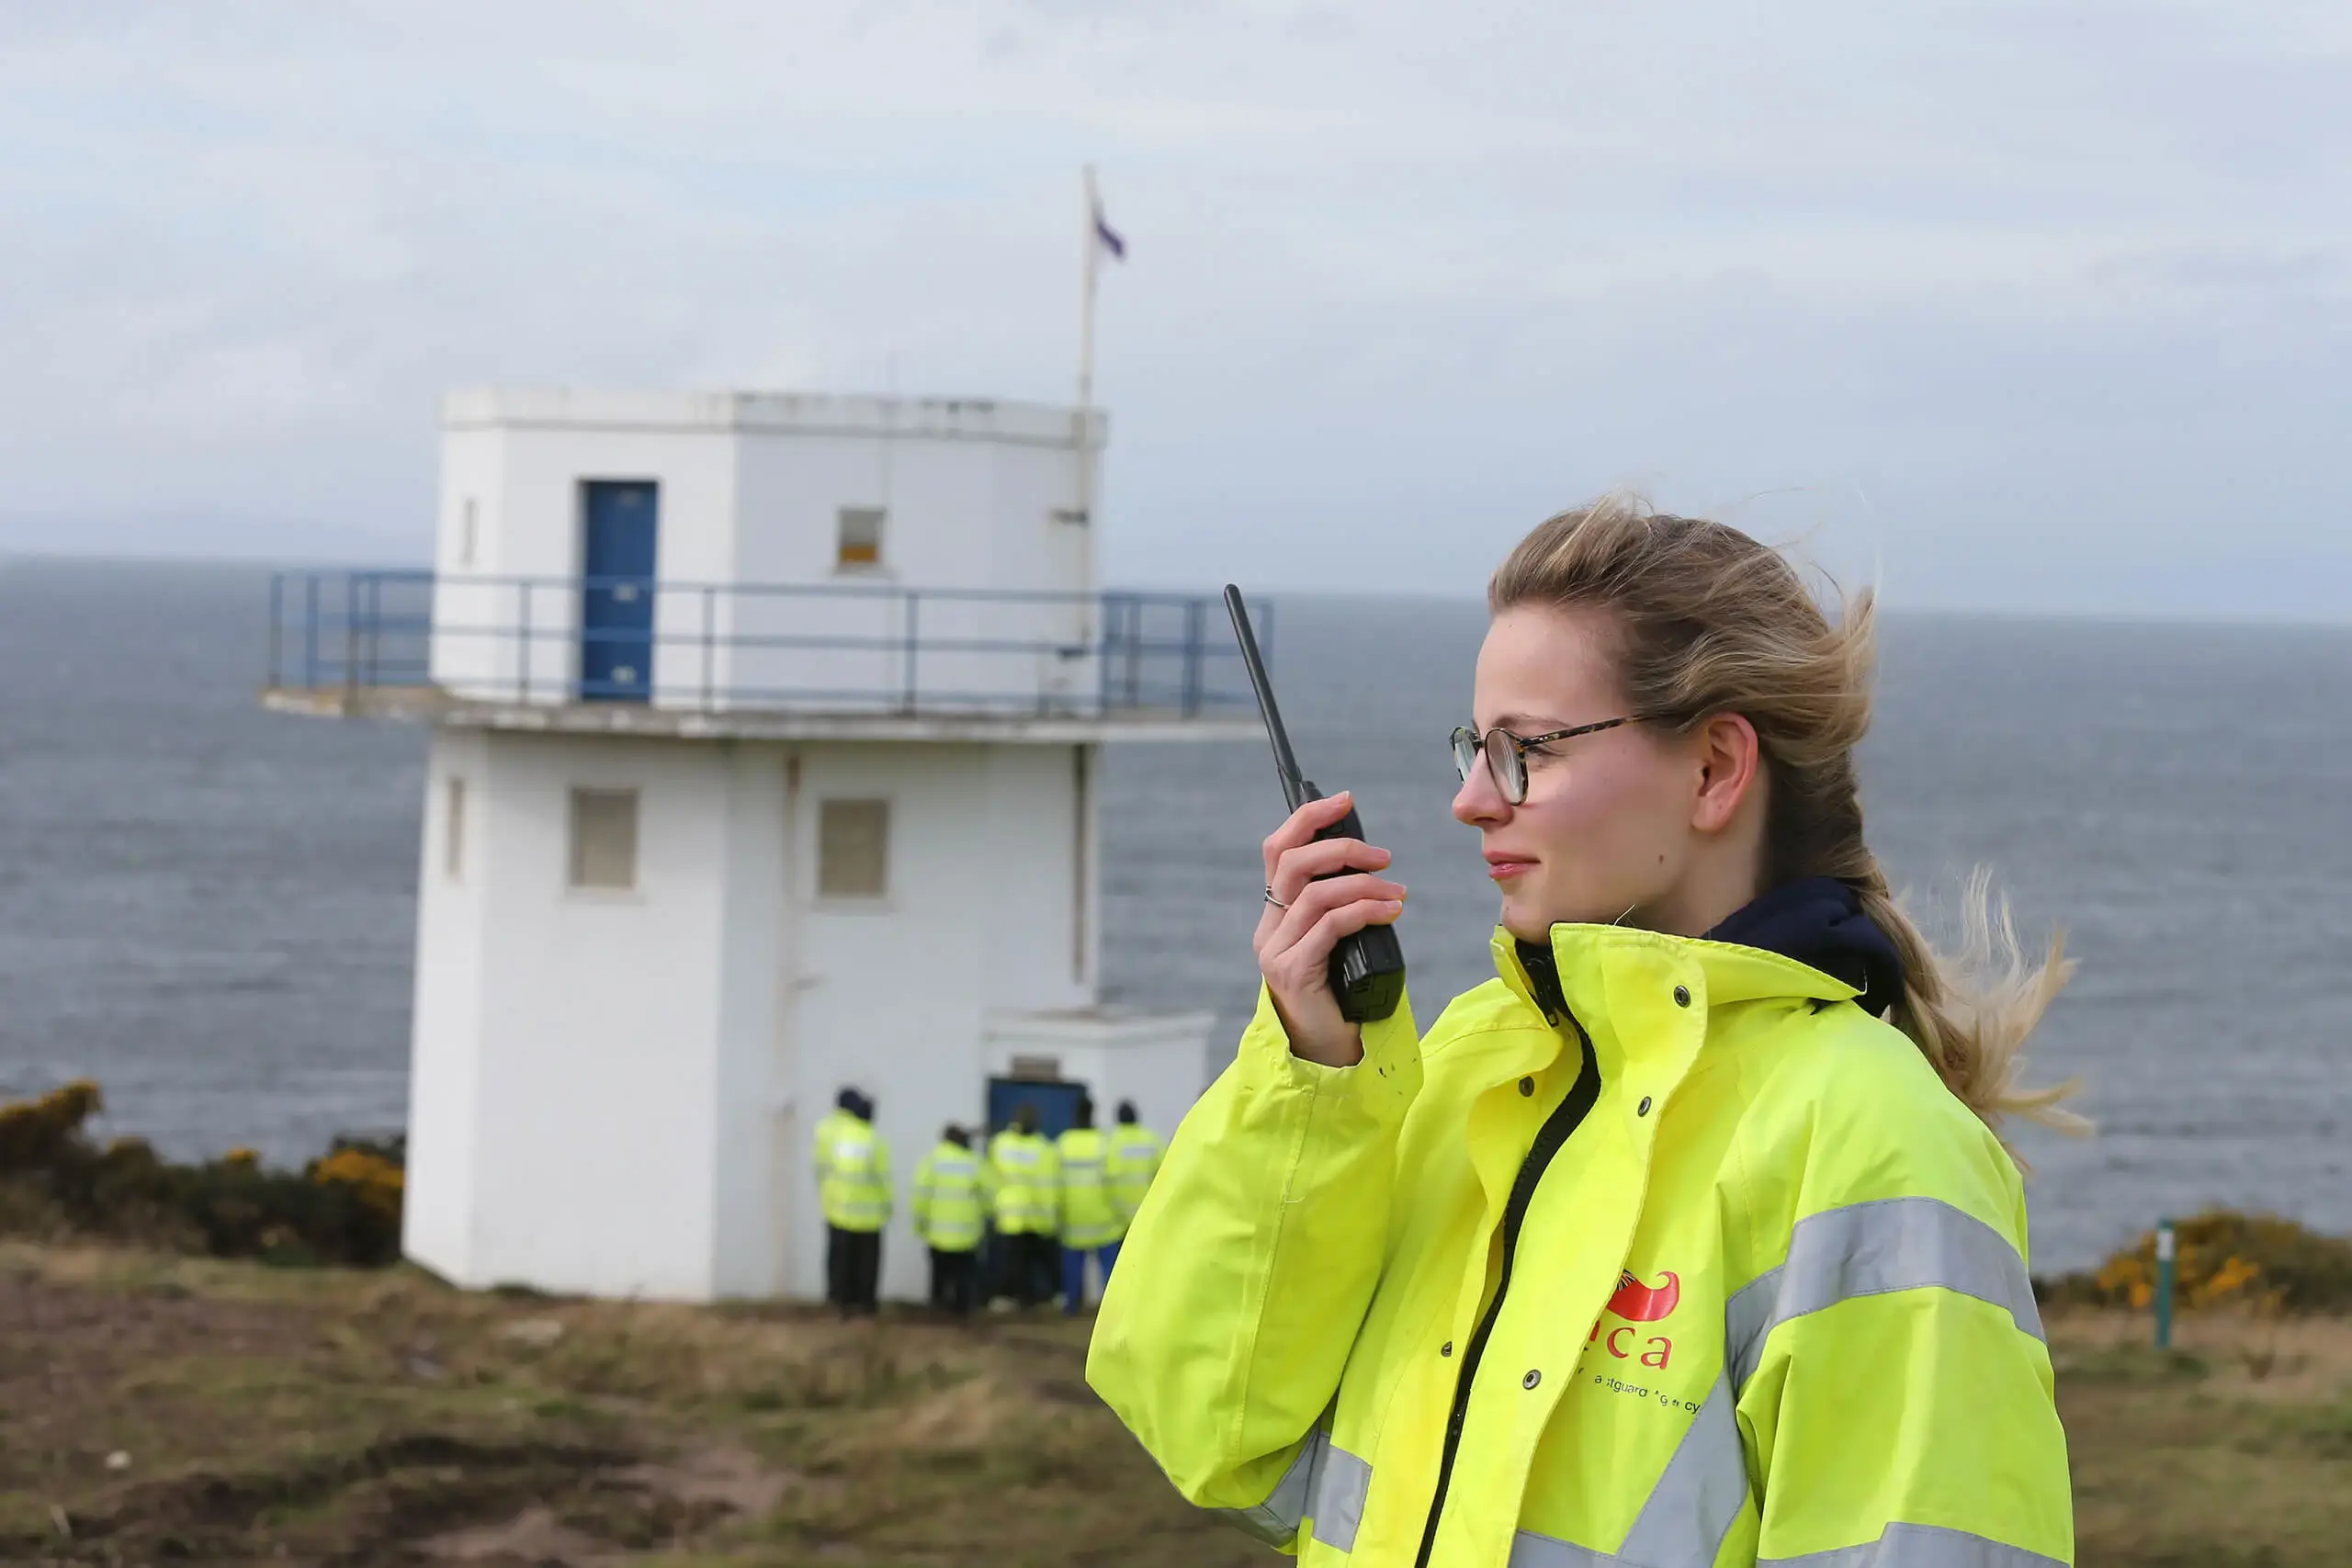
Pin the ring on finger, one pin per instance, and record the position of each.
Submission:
(1271, 899)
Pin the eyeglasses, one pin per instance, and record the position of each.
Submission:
(1507, 753)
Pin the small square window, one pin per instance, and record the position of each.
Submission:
(860, 543)
(453, 825)
(853, 849)
(604, 837)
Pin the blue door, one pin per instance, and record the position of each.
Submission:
(619, 521)
(1057, 1104)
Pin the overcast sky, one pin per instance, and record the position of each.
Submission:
(2036, 306)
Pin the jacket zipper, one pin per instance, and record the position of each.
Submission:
(1549, 1139)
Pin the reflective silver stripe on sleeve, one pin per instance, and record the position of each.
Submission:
(1324, 1485)
(1918, 1546)
(1335, 1501)
(1697, 1500)
(1867, 1249)
(1275, 1521)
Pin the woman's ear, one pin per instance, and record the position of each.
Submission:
(1729, 759)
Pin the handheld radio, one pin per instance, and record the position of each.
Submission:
(1367, 967)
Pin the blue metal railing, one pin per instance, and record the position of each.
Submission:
(737, 647)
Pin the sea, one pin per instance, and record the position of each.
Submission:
(209, 908)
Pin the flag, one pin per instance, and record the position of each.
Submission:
(1107, 236)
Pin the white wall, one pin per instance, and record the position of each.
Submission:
(1022, 809)
(598, 1080)
(437, 1214)
(472, 476)
(970, 503)
(754, 1192)
(1029, 485)
(970, 488)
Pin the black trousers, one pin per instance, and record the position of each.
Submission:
(852, 1269)
(1046, 1266)
(992, 1258)
(954, 1281)
(1030, 1268)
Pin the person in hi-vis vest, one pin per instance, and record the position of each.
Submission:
(853, 1186)
(1090, 1222)
(1027, 1204)
(1132, 1161)
(950, 1210)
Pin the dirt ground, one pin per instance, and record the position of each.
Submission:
(157, 1409)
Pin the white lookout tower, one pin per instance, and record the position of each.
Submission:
(765, 741)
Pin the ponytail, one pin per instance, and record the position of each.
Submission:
(1970, 1010)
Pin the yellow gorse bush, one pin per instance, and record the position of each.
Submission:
(2235, 1279)
(2223, 1260)
(344, 1207)
(32, 1132)
(2124, 1279)
(379, 1183)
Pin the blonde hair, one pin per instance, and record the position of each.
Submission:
(1708, 621)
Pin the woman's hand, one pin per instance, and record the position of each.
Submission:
(1295, 944)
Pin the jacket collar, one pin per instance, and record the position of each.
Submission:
(1580, 955)
(1643, 996)
(1641, 1002)
(1807, 940)
(1818, 921)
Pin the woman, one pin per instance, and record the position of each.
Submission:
(1687, 1241)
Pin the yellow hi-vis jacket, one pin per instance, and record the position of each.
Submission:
(1026, 1200)
(949, 1208)
(1089, 1218)
(1132, 1161)
(1767, 1302)
(853, 1173)
(826, 1131)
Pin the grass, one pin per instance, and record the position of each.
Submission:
(269, 1415)
(2235, 1448)
(263, 1416)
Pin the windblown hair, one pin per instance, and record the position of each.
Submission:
(1708, 622)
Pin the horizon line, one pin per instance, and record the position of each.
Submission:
(255, 561)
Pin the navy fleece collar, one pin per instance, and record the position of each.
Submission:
(1819, 921)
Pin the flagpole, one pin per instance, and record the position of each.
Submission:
(1090, 245)
(1081, 424)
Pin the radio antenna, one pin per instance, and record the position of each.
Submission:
(1296, 791)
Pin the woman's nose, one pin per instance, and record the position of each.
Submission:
(1478, 803)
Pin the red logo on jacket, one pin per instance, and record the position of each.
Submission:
(1637, 1303)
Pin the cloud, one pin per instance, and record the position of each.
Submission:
(1985, 293)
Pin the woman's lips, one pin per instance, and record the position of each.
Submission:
(1502, 868)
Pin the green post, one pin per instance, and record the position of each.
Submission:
(2164, 1285)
